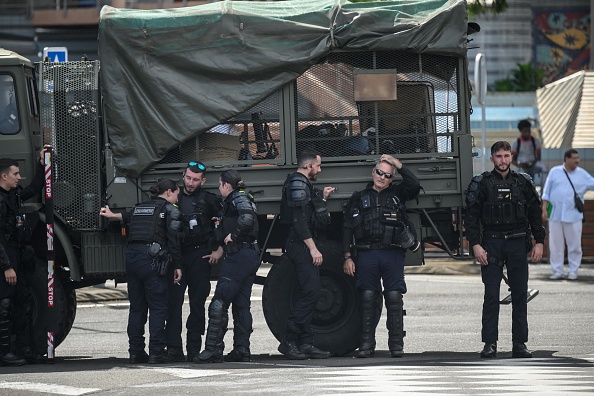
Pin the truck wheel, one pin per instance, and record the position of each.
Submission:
(336, 317)
(65, 308)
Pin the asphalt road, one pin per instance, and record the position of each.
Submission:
(442, 345)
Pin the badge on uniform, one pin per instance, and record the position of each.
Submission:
(504, 194)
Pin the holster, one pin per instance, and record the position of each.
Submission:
(163, 262)
(231, 248)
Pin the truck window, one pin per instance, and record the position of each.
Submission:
(9, 116)
(32, 93)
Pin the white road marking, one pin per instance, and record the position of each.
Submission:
(47, 388)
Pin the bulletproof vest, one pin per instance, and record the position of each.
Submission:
(197, 226)
(374, 221)
(506, 203)
(16, 226)
(232, 209)
(148, 222)
(297, 191)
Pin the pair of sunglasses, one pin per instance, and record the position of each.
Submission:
(380, 172)
(198, 165)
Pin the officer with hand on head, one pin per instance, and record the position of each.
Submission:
(303, 208)
(502, 210)
(153, 245)
(376, 218)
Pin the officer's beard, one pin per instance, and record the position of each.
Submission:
(313, 176)
(502, 168)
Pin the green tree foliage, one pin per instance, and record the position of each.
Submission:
(524, 78)
(477, 7)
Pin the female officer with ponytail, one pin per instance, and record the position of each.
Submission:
(237, 232)
(153, 244)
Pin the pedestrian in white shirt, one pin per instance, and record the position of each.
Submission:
(565, 219)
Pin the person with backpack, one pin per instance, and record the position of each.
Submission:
(376, 220)
(526, 152)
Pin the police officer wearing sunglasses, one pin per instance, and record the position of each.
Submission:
(198, 208)
(376, 221)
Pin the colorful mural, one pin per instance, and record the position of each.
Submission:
(561, 42)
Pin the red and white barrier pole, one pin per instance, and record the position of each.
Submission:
(49, 216)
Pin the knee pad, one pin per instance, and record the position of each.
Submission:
(368, 298)
(217, 309)
(5, 307)
(393, 300)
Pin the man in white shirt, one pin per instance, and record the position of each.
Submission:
(565, 220)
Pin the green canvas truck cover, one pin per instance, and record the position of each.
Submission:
(170, 74)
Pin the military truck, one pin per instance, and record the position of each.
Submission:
(245, 85)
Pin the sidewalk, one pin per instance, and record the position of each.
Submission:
(433, 266)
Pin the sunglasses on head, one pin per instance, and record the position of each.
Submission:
(198, 165)
(380, 172)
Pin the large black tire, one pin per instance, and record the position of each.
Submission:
(336, 318)
(65, 308)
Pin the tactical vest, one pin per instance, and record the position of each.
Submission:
(16, 226)
(377, 222)
(230, 215)
(506, 203)
(316, 212)
(148, 222)
(197, 227)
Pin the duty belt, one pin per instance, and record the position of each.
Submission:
(518, 233)
(139, 244)
(248, 245)
(372, 246)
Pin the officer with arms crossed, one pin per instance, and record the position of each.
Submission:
(377, 219)
(198, 207)
(503, 208)
(303, 208)
(15, 232)
(237, 232)
(153, 244)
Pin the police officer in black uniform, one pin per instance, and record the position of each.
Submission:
(303, 208)
(503, 209)
(153, 244)
(376, 218)
(15, 232)
(237, 232)
(198, 207)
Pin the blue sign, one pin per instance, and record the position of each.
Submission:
(56, 54)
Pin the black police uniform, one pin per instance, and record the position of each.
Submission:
(303, 209)
(242, 260)
(16, 301)
(500, 215)
(382, 233)
(153, 221)
(198, 209)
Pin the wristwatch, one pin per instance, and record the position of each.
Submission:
(345, 258)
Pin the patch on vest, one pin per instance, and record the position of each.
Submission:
(140, 211)
(504, 194)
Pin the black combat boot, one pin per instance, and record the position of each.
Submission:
(395, 323)
(193, 346)
(369, 320)
(490, 350)
(312, 352)
(289, 347)
(138, 357)
(215, 333)
(7, 357)
(519, 350)
(239, 354)
(175, 354)
(158, 357)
